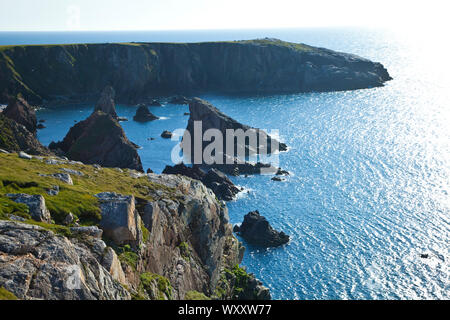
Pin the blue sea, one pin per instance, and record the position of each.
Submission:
(370, 182)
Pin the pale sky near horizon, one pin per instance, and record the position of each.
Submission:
(63, 15)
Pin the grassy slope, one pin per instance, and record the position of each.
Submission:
(22, 176)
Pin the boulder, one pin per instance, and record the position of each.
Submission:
(25, 156)
(92, 231)
(35, 204)
(53, 191)
(21, 112)
(256, 230)
(37, 264)
(100, 140)
(120, 220)
(106, 102)
(69, 219)
(144, 115)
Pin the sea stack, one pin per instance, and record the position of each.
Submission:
(100, 139)
(256, 230)
(144, 115)
(106, 102)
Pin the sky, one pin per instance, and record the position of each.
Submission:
(95, 15)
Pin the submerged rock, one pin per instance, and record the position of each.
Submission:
(144, 115)
(100, 140)
(256, 230)
(35, 204)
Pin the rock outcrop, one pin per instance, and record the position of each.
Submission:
(141, 71)
(166, 236)
(144, 115)
(218, 182)
(35, 263)
(35, 204)
(120, 220)
(106, 102)
(166, 134)
(100, 140)
(21, 112)
(15, 137)
(256, 230)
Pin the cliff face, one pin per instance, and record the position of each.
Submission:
(181, 243)
(139, 70)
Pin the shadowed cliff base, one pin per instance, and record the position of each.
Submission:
(63, 73)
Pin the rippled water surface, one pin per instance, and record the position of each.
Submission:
(370, 173)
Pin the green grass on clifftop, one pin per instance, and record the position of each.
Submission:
(6, 295)
(23, 176)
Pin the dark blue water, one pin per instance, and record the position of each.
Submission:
(370, 170)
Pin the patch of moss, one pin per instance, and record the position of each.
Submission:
(148, 280)
(185, 251)
(6, 295)
(145, 233)
(195, 295)
(128, 256)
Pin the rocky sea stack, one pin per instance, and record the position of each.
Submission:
(100, 139)
(256, 230)
(144, 115)
(21, 112)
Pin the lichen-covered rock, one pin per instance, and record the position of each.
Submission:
(92, 231)
(37, 264)
(35, 204)
(120, 220)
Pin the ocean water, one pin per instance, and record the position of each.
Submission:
(370, 183)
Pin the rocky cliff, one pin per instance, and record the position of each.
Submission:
(114, 234)
(137, 70)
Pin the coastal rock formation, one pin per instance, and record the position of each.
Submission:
(138, 71)
(184, 242)
(218, 182)
(212, 118)
(144, 115)
(20, 111)
(166, 134)
(256, 230)
(15, 137)
(35, 204)
(120, 221)
(35, 263)
(100, 140)
(106, 102)
(179, 100)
